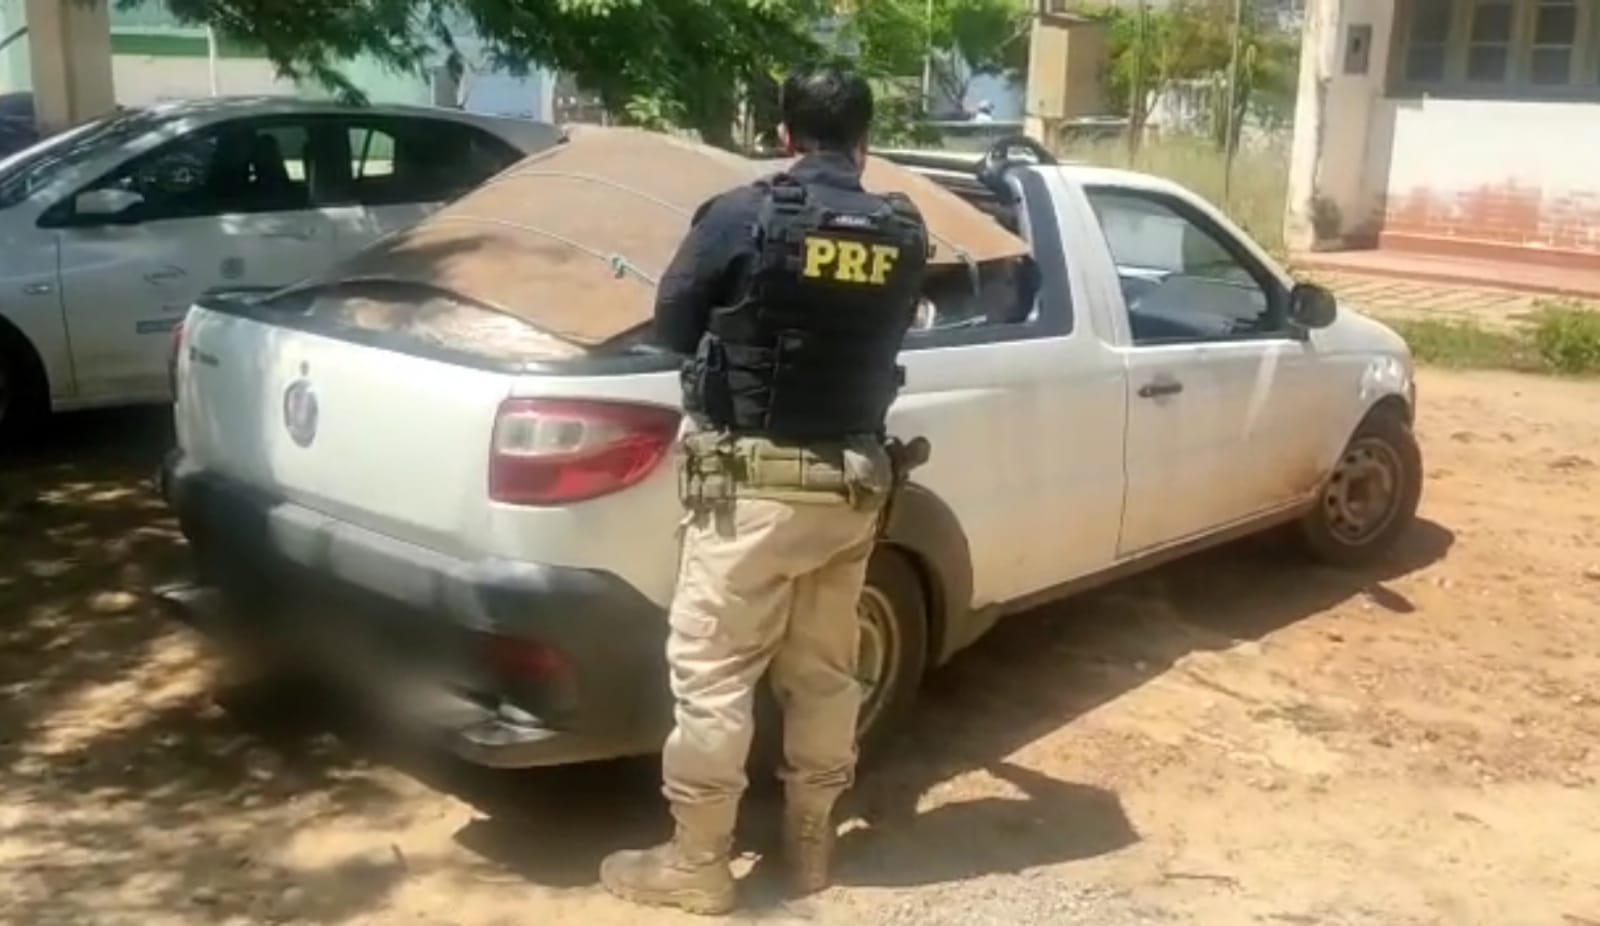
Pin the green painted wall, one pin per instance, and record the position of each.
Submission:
(177, 45)
(15, 71)
(148, 30)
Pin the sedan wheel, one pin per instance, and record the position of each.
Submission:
(23, 398)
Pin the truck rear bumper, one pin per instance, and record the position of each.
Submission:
(581, 671)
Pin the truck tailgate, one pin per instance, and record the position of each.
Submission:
(390, 441)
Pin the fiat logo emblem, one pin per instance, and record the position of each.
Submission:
(300, 412)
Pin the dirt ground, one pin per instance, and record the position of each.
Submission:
(1240, 738)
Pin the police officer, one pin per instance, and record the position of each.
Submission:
(792, 296)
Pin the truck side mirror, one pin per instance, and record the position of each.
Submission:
(1311, 306)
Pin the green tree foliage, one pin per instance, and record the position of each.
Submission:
(656, 62)
(1193, 40)
(967, 37)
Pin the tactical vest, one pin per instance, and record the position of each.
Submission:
(809, 353)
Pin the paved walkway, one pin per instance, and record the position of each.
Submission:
(1390, 297)
(1488, 293)
(1572, 282)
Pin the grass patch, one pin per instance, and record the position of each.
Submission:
(1260, 175)
(1560, 338)
(1467, 346)
(1568, 337)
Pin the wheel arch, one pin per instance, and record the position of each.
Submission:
(924, 530)
(1391, 404)
(1386, 402)
(12, 338)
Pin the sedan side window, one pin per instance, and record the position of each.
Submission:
(403, 161)
(233, 169)
(1180, 279)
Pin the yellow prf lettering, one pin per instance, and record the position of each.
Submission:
(883, 258)
(819, 253)
(852, 262)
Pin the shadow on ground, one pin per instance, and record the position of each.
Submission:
(125, 795)
(1034, 674)
(119, 771)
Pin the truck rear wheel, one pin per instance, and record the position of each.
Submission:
(893, 654)
(892, 659)
(1370, 499)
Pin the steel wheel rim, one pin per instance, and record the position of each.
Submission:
(1363, 494)
(877, 656)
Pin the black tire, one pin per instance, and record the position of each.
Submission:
(893, 588)
(896, 585)
(1342, 533)
(24, 395)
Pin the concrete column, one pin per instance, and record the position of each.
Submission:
(69, 44)
(1338, 171)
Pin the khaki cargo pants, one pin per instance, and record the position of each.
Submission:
(764, 583)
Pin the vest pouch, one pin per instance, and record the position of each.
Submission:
(792, 407)
(707, 390)
(813, 474)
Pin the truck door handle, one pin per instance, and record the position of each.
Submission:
(1160, 388)
(165, 273)
(298, 234)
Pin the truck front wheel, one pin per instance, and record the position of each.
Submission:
(1370, 499)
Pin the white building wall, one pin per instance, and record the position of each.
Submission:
(145, 79)
(1507, 172)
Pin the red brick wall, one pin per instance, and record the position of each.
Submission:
(1509, 216)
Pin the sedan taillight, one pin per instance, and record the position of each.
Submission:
(557, 451)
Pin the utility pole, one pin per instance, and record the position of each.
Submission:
(927, 58)
(211, 59)
(1230, 125)
(1136, 98)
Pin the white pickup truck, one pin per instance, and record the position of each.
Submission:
(504, 531)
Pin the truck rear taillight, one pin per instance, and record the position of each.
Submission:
(557, 451)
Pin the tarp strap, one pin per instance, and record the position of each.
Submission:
(973, 277)
(590, 178)
(963, 254)
(618, 263)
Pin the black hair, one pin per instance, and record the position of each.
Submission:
(826, 108)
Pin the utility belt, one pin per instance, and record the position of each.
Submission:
(719, 467)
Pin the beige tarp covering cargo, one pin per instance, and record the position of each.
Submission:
(572, 239)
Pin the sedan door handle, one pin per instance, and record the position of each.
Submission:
(1160, 388)
(298, 234)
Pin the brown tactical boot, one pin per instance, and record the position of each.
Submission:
(808, 837)
(687, 873)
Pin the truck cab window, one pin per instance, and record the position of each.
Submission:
(1180, 281)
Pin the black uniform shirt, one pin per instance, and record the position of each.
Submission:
(713, 265)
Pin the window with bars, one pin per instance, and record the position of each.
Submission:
(1555, 42)
(1498, 48)
(1489, 45)
(1429, 28)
